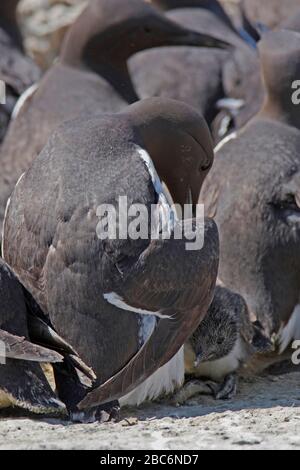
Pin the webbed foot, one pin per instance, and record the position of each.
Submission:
(72, 387)
(228, 389)
(191, 389)
(109, 412)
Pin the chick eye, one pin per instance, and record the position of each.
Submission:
(220, 341)
(289, 203)
(147, 30)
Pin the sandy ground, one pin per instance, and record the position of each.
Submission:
(264, 415)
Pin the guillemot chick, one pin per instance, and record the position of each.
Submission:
(220, 347)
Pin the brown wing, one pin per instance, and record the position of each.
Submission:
(177, 324)
(16, 347)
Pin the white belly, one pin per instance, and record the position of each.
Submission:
(291, 331)
(219, 369)
(163, 382)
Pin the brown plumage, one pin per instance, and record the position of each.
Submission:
(253, 192)
(90, 78)
(22, 382)
(93, 290)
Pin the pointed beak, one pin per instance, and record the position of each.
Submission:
(189, 198)
(198, 360)
(192, 38)
(190, 210)
(177, 35)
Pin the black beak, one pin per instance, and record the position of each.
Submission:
(192, 38)
(198, 360)
(177, 35)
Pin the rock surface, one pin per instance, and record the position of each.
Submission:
(44, 24)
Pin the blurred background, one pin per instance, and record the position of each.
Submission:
(45, 22)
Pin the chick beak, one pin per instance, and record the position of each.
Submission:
(198, 360)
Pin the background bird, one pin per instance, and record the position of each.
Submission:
(253, 193)
(22, 381)
(193, 76)
(91, 77)
(213, 6)
(242, 80)
(17, 71)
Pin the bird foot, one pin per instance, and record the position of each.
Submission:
(189, 390)
(228, 389)
(109, 412)
(225, 391)
(72, 389)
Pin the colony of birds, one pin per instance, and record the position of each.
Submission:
(134, 106)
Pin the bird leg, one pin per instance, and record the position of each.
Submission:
(224, 391)
(228, 389)
(72, 387)
(190, 389)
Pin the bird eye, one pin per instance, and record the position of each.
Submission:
(205, 166)
(290, 204)
(147, 29)
(220, 341)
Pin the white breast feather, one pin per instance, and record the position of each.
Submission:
(164, 205)
(22, 100)
(114, 299)
(227, 139)
(291, 331)
(5, 214)
(163, 382)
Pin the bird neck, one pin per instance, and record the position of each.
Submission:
(114, 71)
(280, 107)
(117, 74)
(99, 56)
